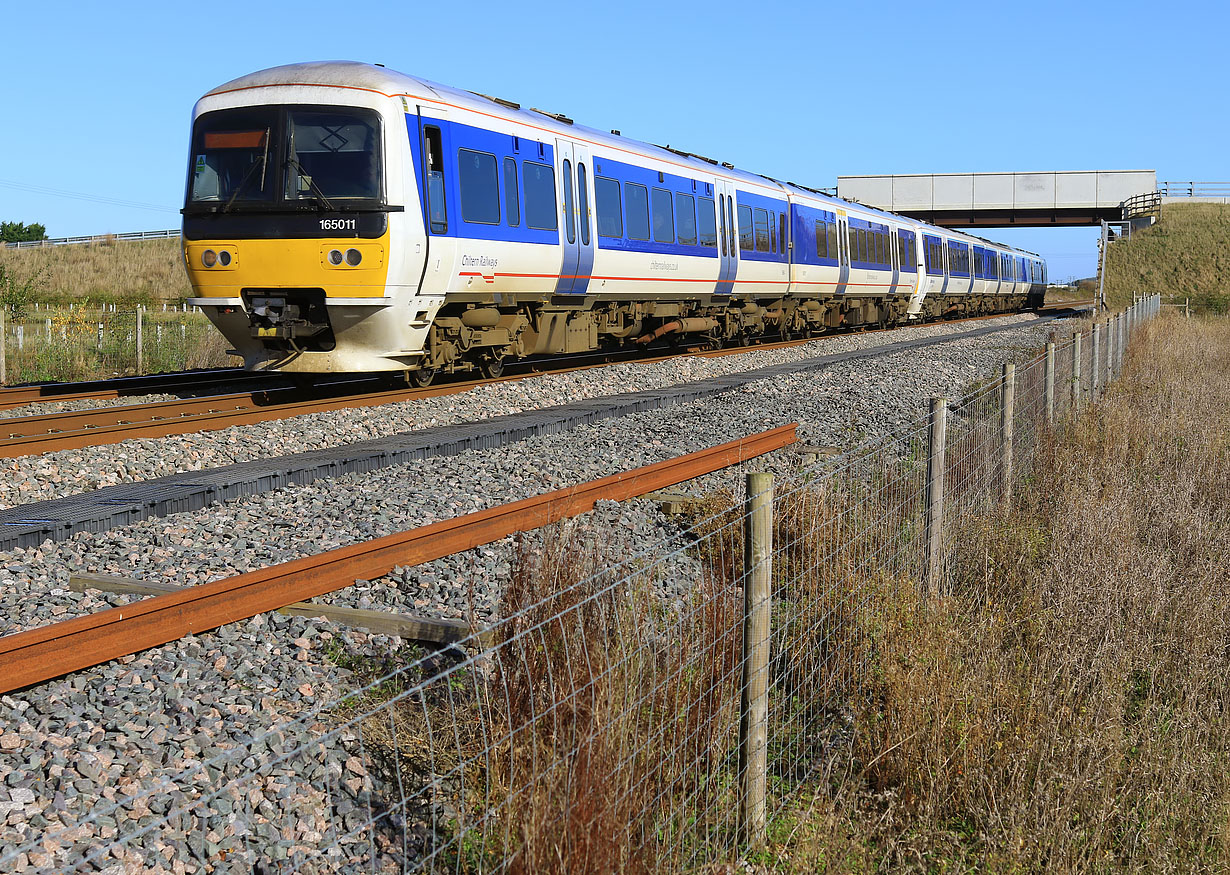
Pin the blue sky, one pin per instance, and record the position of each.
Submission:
(97, 97)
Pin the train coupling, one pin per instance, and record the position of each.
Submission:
(290, 316)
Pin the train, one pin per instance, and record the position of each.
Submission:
(342, 217)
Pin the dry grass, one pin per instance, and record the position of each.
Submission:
(620, 714)
(1186, 255)
(597, 736)
(1061, 708)
(1074, 720)
(146, 271)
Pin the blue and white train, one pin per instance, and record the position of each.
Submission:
(343, 217)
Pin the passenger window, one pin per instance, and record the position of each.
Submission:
(781, 233)
(685, 215)
(822, 246)
(569, 219)
(539, 181)
(722, 217)
(852, 250)
(480, 189)
(663, 217)
(610, 207)
(762, 230)
(831, 227)
(730, 222)
(747, 234)
(772, 231)
(583, 200)
(512, 200)
(434, 157)
(706, 224)
(637, 199)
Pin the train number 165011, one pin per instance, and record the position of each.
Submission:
(337, 224)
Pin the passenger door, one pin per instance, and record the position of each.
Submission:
(843, 249)
(572, 167)
(728, 252)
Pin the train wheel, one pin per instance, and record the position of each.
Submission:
(422, 377)
(492, 367)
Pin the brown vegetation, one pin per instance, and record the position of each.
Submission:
(1063, 708)
(147, 271)
(1185, 255)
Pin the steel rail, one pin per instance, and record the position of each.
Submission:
(47, 652)
(26, 435)
(69, 430)
(119, 387)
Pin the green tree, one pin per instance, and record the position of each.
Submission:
(17, 232)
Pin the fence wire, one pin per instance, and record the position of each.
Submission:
(598, 728)
(80, 343)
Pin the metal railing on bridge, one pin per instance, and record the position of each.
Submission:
(1194, 189)
(96, 238)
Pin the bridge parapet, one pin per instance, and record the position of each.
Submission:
(1001, 199)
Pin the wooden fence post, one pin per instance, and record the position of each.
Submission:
(754, 712)
(1049, 382)
(934, 534)
(1120, 335)
(1095, 343)
(140, 349)
(1007, 407)
(1112, 341)
(4, 376)
(1076, 372)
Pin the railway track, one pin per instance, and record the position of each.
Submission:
(66, 430)
(122, 387)
(101, 509)
(38, 655)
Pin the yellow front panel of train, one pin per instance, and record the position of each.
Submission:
(345, 268)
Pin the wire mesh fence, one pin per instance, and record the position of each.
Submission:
(605, 723)
(80, 343)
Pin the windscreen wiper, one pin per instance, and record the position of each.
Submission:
(303, 174)
(247, 177)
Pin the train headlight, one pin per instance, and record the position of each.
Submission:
(224, 258)
(335, 256)
(353, 257)
(209, 258)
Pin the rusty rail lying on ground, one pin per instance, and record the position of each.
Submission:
(47, 652)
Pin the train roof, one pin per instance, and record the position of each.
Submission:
(390, 83)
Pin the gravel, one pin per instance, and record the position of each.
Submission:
(70, 472)
(114, 729)
(40, 408)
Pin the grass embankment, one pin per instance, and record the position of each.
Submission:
(1064, 708)
(1185, 255)
(146, 272)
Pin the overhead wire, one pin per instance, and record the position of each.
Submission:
(56, 192)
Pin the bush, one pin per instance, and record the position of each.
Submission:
(16, 232)
(16, 294)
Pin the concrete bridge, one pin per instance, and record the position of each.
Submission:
(1031, 200)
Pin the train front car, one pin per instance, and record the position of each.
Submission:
(300, 241)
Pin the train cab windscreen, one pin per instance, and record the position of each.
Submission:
(285, 158)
